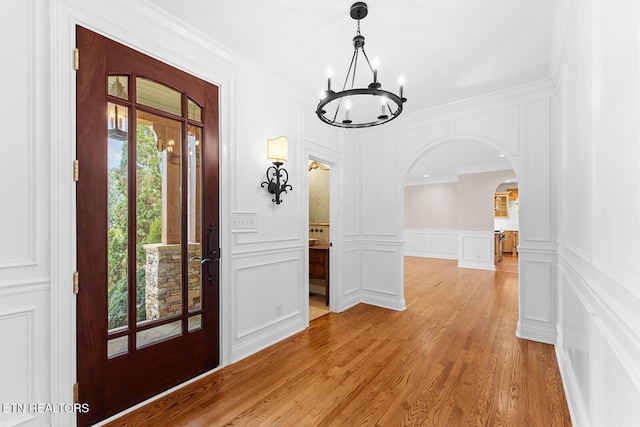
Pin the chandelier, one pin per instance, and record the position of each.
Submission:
(359, 107)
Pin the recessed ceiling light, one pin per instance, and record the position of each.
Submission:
(426, 176)
(501, 155)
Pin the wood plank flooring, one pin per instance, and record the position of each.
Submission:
(451, 359)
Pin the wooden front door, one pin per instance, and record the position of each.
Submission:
(147, 226)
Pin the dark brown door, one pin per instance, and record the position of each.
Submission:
(147, 226)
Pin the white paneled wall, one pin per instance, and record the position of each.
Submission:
(515, 122)
(26, 198)
(597, 188)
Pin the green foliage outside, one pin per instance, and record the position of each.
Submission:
(148, 227)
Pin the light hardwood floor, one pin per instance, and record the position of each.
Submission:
(317, 306)
(451, 359)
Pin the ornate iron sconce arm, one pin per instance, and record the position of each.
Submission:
(276, 183)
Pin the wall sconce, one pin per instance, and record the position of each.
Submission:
(277, 177)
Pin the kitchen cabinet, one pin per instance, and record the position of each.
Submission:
(319, 266)
(510, 243)
(501, 204)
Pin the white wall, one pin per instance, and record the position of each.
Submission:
(598, 189)
(26, 262)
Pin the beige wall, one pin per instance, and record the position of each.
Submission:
(431, 206)
(475, 199)
(463, 205)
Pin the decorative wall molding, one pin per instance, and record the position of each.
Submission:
(538, 297)
(475, 249)
(431, 243)
(600, 290)
(259, 342)
(21, 160)
(25, 286)
(269, 249)
(18, 329)
(538, 273)
(577, 410)
(501, 125)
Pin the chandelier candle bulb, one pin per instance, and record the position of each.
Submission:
(347, 107)
(376, 63)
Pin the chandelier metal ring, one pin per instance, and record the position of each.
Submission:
(333, 96)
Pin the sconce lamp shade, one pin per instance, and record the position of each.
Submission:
(278, 149)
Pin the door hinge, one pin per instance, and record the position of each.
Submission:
(76, 393)
(76, 282)
(76, 170)
(76, 59)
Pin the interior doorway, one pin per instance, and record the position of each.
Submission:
(319, 238)
(506, 206)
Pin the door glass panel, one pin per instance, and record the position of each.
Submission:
(117, 346)
(158, 96)
(117, 122)
(195, 322)
(118, 86)
(159, 333)
(158, 217)
(194, 223)
(117, 217)
(195, 112)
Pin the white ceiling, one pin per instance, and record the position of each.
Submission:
(447, 50)
(457, 157)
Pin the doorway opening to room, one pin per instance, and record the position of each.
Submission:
(147, 226)
(319, 238)
(507, 225)
(450, 209)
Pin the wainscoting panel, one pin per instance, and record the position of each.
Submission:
(616, 390)
(378, 275)
(381, 283)
(25, 335)
(17, 369)
(351, 279)
(538, 296)
(475, 249)
(538, 304)
(267, 300)
(431, 243)
(599, 346)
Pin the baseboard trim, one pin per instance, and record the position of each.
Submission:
(577, 411)
(533, 333)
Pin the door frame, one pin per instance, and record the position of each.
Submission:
(214, 67)
(103, 382)
(321, 154)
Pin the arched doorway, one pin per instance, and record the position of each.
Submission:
(448, 204)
